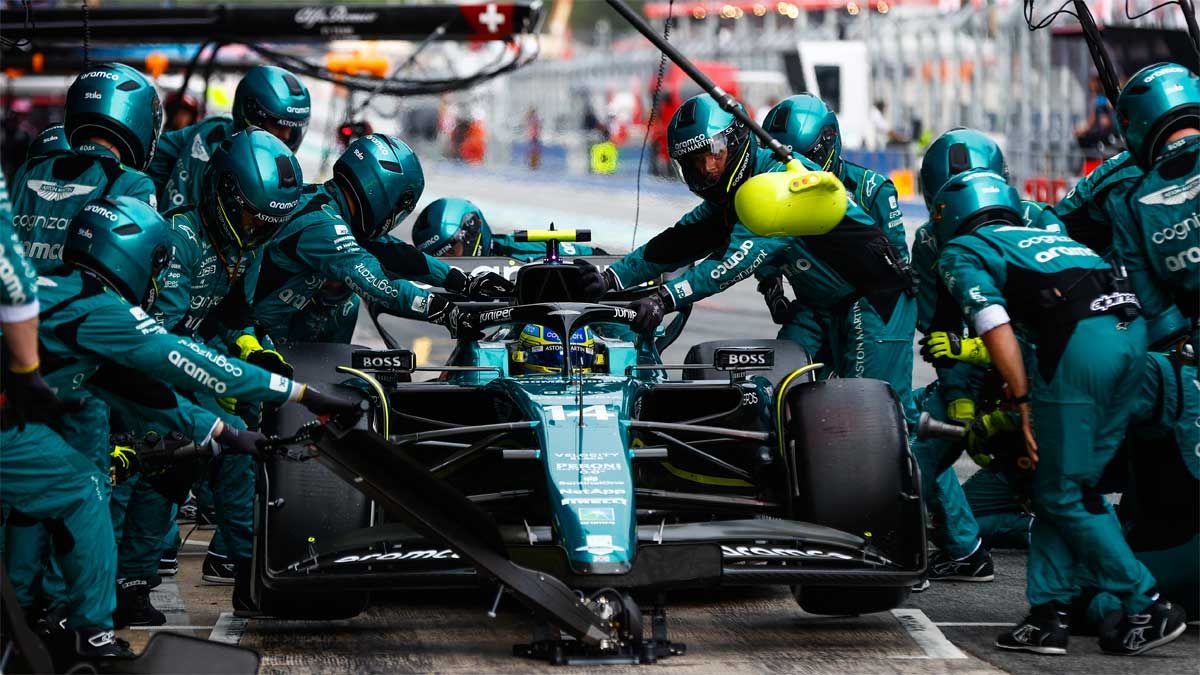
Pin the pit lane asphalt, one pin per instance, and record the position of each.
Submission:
(738, 630)
(947, 629)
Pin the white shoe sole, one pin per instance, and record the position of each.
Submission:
(1044, 651)
(220, 581)
(1151, 645)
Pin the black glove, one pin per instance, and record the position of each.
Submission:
(271, 361)
(327, 405)
(777, 301)
(486, 286)
(462, 325)
(594, 283)
(27, 398)
(241, 441)
(651, 309)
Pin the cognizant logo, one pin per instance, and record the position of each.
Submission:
(1179, 230)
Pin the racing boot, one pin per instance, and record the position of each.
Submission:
(133, 604)
(168, 566)
(1044, 631)
(43, 622)
(975, 567)
(1132, 634)
(90, 643)
(217, 569)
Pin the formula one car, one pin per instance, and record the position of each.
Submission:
(573, 488)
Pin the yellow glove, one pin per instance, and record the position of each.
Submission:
(255, 354)
(985, 427)
(961, 410)
(123, 464)
(940, 345)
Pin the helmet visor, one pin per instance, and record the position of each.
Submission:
(549, 358)
(160, 260)
(290, 131)
(467, 241)
(824, 149)
(248, 227)
(404, 207)
(703, 167)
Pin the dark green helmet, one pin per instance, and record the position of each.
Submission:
(116, 103)
(384, 177)
(1156, 102)
(712, 151)
(52, 139)
(810, 127)
(125, 243)
(452, 226)
(971, 200)
(251, 185)
(954, 152)
(274, 99)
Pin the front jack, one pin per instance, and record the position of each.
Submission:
(628, 644)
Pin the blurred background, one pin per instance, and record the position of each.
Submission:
(556, 112)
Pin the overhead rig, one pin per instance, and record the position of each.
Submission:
(61, 40)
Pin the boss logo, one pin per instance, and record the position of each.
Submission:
(398, 360)
(744, 358)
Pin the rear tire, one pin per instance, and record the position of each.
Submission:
(850, 468)
(315, 502)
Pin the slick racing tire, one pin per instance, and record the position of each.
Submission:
(301, 504)
(789, 356)
(850, 469)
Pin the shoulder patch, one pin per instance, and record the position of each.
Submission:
(53, 191)
(1172, 195)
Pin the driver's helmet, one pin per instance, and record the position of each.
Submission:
(452, 227)
(125, 243)
(954, 152)
(273, 99)
(52, 139)
(810, 127)
(712, 151)
(539, 350)
(1156, 102)
(250, 187)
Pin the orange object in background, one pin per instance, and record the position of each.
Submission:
(156, 64)
(904, 181)
(38, 62)
(474, 146)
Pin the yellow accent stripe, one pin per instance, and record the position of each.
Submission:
(745, 151)
(705, 480)
(387, 424)
(787, 381)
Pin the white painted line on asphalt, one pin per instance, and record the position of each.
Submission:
(167, 600)
(988, 624)
(926, 635)
(169, 627)
(229, 629)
